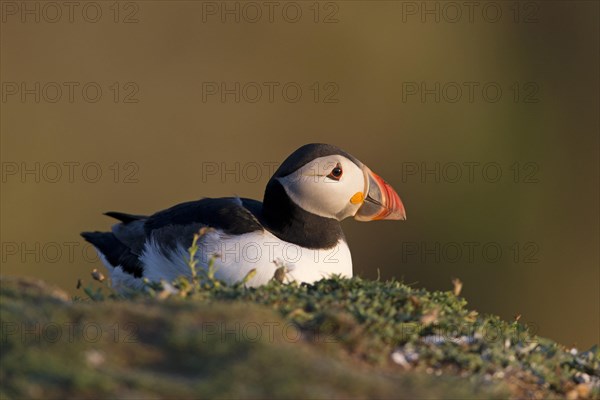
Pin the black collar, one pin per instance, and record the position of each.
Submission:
(289, 222)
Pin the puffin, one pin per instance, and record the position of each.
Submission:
(296, 226)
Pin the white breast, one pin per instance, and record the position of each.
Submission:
(236, 255)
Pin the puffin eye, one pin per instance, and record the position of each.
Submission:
(336, 173)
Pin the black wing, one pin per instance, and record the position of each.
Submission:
(228, 214)
(115, 251)
(175, 225)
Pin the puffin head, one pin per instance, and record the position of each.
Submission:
(326, 181)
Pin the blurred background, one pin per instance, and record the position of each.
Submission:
(483, 116)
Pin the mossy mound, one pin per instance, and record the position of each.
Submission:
(338, 338)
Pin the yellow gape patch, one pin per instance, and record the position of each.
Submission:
(357, 198)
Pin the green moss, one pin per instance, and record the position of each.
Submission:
(336, 338)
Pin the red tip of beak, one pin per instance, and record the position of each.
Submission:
(381, 201)
(393, 206)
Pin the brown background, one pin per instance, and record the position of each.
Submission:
(165, 141)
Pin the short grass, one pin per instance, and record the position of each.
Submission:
(336, 338)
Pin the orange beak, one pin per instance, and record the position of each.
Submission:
(381, 200)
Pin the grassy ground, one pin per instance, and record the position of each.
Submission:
(338, 338)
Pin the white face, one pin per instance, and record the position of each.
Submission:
(319, 188)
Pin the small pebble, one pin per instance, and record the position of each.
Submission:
(399, 359)
(94, 358)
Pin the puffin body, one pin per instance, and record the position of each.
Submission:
(297, 226)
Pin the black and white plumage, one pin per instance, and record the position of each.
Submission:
(297, 224)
